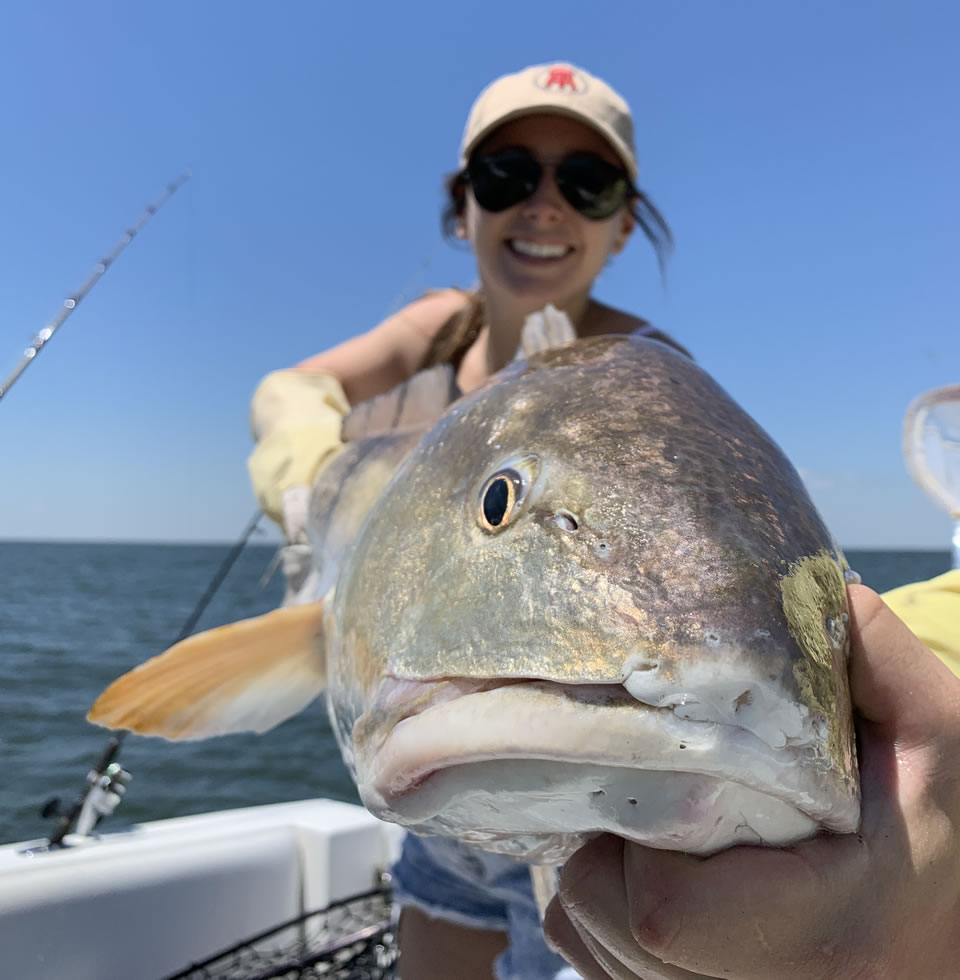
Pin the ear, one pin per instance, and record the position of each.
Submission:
(627, 224)
(461, 203)
(466, 220)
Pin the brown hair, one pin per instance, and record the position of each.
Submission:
(456, 336)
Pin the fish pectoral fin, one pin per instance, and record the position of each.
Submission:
(245, 676)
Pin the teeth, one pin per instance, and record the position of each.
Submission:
(538, 250)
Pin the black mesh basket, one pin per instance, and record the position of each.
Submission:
(351, 940)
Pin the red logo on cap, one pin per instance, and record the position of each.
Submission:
(563, 78)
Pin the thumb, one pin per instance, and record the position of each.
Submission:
(895, 680)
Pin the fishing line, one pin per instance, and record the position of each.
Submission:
(401, 298)
(106, 776)
(106, 780)
(72, 301)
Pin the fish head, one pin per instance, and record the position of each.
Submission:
(596, 597)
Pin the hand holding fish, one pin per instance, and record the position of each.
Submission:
(883, 903)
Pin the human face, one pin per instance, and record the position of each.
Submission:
(502, 241)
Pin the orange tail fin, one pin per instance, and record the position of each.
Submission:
(246, 676)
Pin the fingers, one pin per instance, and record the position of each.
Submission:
(894, 677)
(744, 913)
(597, 871)
(895, 681)
(601, 934)
(588, 957)
(564, 937)
(603, 866)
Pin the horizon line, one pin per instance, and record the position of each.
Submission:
(266, 539)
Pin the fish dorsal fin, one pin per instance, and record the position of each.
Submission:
(544, 330)
(246, 676)
(415, 404)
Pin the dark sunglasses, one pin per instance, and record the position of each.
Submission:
(588, 183)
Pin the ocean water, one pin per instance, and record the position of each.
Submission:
(73, 616)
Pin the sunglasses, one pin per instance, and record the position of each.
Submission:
(592, 186)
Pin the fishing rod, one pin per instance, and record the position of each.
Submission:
(931, 450)
(71, 302)
(106, 781)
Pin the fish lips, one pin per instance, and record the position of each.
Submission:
(535, 768)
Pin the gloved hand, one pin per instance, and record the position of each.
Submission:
(295, 417)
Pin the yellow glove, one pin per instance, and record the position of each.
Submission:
(932, 611)
(295, 417)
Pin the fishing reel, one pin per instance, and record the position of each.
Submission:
(106, 785)
(105, 793)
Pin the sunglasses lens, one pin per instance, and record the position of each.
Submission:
(590, 184)
(596, 188)
(501, 180)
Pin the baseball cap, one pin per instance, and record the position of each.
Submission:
(562, 89)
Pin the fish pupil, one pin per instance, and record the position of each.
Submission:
(496, 501)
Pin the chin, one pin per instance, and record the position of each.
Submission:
(532, 294)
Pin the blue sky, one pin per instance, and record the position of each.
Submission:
(806, 156)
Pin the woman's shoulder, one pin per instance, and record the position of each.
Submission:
(373, 362)
(608, 319)
(429, 312)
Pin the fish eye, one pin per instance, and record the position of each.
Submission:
(503, 493)
(498, 500)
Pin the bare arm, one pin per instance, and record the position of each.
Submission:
(391, 352)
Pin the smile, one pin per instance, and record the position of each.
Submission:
(538, 250)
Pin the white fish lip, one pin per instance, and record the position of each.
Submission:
(594, 727)
(541, 251)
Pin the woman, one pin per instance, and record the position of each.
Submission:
(545, 196)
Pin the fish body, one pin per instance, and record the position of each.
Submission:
(593, 596)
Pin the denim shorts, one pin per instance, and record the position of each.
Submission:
(457, 883)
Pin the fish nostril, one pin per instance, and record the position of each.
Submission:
(565, 520)
(607, 550)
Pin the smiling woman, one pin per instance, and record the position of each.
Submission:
(545, 195)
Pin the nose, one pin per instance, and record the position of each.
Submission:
(545, 206)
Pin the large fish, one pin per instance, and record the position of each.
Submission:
(594, 596)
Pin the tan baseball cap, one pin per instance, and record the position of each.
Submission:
(558, 88)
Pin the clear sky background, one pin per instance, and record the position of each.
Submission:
(805, 155)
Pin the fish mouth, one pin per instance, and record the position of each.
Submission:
(535, 768)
